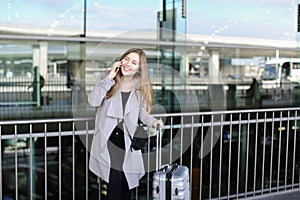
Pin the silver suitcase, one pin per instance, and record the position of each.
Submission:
(171, 182)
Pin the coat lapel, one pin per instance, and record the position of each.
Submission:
(115, 107)
(131, 112)
(132, 102)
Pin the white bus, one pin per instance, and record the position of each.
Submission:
(278, 72)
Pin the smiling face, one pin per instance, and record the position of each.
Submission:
(134, 65)
(130, 64)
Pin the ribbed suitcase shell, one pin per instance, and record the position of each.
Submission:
(179, 183)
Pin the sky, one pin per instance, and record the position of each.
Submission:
(270, 19)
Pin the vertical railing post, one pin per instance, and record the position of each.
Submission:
(31, 164)
(36, 86)
(243, 155)
(16, 161)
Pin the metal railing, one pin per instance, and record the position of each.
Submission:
(230, 155)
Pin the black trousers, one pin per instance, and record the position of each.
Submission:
(117, 186)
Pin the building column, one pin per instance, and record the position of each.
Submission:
(36, 56)
(215, 85)
(184, 65)
(43, 58)
(40, 57)
(277, 53)
(214, 66)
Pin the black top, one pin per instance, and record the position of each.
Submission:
(125, 96)
(117, 135)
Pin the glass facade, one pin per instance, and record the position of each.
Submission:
(188, 43)
(217, 17)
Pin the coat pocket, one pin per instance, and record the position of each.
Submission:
(133, 162)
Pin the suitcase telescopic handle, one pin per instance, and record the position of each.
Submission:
(158, 147)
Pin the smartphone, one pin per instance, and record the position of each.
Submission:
(117, 68)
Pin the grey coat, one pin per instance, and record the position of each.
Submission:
(107, 116)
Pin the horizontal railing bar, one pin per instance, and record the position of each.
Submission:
(49, 134)
(224, 112)
(26, 151)
(174, 126)
(227, 112)
(206, 119)
(44, 121)
(273, 195)
(259, 192)
(18, 103)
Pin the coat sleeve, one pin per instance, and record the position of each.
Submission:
(103, 84)
(144, 116)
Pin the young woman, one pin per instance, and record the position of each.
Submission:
(123, 96)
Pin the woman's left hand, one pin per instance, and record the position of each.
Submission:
(157, 124)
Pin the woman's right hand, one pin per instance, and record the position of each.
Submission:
(114, 70)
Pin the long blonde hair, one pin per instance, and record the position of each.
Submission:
(142, 77)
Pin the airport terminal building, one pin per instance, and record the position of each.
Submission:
(226, 73)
